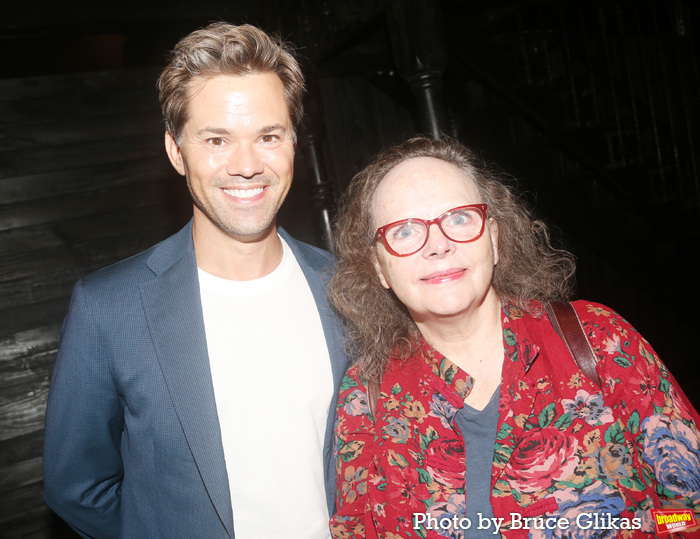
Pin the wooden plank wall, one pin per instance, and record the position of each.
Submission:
(84, 181)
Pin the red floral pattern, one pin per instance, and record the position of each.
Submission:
(542, 457)
(564, 446)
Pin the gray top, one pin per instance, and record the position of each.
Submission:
(478, 429)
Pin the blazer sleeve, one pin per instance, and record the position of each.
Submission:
(84, 421)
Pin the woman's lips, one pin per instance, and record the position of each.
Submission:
(445, 276)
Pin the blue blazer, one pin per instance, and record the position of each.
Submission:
(133, 446)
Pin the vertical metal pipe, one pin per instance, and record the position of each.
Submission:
(570, 70)
(652, 107)
(688, 81)
(609, 49)
(321, 190)
(524, 50)
(668, 101)
(637, 158)
(427, 87)
(416, 30)
(595, 113)
(320, 184)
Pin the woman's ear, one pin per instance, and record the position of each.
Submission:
(380, 273)
(493, 233)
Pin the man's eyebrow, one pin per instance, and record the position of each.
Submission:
(272, 127)
(223, 131)
(213, 131)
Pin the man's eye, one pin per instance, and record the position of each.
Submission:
(269, 138)
(216, 141)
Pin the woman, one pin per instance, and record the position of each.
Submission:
(484, 423)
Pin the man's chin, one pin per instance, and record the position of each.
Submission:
(252, 234)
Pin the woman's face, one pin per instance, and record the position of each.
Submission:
(444, 278)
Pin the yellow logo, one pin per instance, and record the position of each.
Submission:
(673, 521)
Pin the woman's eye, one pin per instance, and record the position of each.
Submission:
(404, 232)
(459, 219)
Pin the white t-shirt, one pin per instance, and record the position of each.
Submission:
(273, 387)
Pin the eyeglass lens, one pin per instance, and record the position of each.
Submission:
(409, 236)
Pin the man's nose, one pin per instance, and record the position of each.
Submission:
(244, 161)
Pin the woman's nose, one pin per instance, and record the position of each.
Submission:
(438, 244)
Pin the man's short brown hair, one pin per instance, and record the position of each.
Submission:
(226, 49)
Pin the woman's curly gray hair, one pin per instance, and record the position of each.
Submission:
(529, 270)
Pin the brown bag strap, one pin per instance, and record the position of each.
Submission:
(567, 324)
(373, 398)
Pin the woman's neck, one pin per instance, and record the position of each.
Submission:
(473, 342)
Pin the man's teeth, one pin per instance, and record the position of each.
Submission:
(244, 193)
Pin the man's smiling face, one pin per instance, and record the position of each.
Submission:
(237, 153)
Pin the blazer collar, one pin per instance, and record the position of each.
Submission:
(173, 249)
(173, 310)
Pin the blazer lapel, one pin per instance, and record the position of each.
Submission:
(173, 311)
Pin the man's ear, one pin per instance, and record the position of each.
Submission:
(174, 153)
(380, 273)
(493, 232)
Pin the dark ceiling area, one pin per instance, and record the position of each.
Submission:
(592, 105)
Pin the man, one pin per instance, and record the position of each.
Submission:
(193, 391)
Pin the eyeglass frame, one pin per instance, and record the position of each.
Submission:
(381, 231)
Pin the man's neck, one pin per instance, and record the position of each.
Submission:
(229, 258)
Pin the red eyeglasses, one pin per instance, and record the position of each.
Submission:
(408, 236)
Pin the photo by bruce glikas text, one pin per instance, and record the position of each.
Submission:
(584, 521)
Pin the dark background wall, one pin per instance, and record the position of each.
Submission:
(592, 105)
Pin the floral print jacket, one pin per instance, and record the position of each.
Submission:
(565, 448)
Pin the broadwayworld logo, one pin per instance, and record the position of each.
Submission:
(672, 521)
